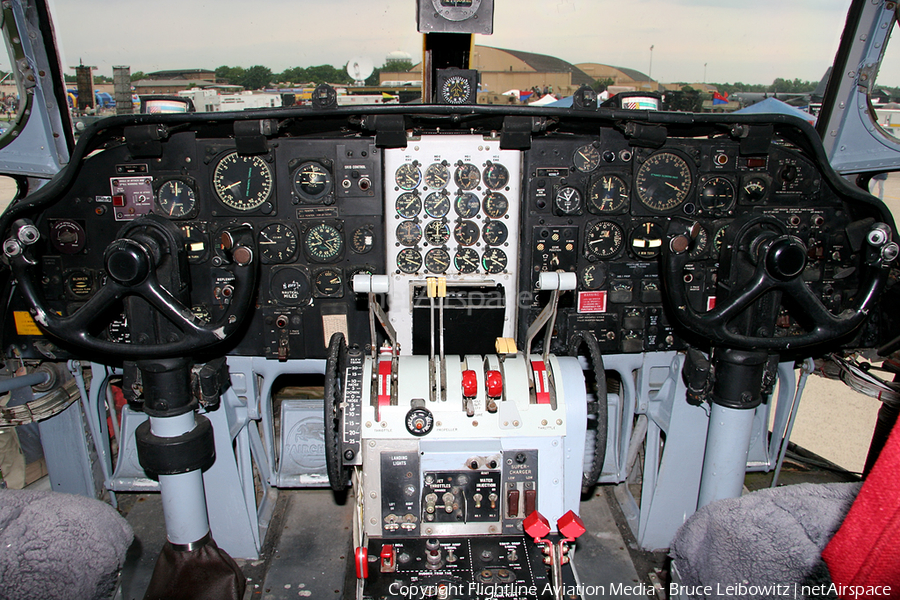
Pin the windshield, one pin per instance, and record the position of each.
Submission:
(704, 55)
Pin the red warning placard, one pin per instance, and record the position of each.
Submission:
(591, 302)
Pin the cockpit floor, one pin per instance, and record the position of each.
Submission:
(307, 552)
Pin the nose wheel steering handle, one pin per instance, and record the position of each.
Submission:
(132, 264)
(780, 260)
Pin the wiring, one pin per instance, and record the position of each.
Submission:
(860, 376)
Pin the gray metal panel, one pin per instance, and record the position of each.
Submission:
(69, 462)
(852, 139)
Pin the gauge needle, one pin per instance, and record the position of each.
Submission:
(232, 185)
(267, 240)
(673, 186)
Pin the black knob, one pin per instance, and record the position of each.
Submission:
(127, 261)
(786, 258)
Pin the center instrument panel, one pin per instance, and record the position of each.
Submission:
(329, 198)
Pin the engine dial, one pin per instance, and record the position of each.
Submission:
(466, 260)
(467, 205)
(408, 205)
(437, 205)
(467, 176)
(409, 261)
(466, 233)
(437, 260)
(408, 176)
(495, 205)
(494, 233)
(437, 176)
(496, 176)
(437, 233)
(494, 261)
(409, 233)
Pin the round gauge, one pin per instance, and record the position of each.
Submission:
(409, 233)
(466, 233)
(437, 176)
(701, 242)
(496, 176)
(609, 194)
(437, 205)
(466, 260)
(755, 189)
(408, 205)
(277, 243)
(312, 181)
(467, 205)
(362, 240)
(717, 195)
(495, 205)
(593, 276)
(437, 233)
(242, 182)
(494, 233)
(329, 282)
(646, 240)
(409, 260)
(467, 176)
(408, 176)
(494, 261)
(456, 90)
(289, 286)
(67, 236)
(176, 199)
(195, 241)
(719, 238)
(567, 201)
(437, 260)
(604, 239)
(324, 242)
(586, 158)
(663, 181)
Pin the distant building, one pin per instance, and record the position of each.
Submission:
(184, 74)
(397, 56)
(622, 78)
(501, 70)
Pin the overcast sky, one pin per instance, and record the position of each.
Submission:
(753, 41)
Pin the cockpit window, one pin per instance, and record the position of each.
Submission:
(884, 94)
(12, 84)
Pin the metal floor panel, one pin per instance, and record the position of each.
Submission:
(308, 554)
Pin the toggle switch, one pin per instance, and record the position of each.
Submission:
(388, 558)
